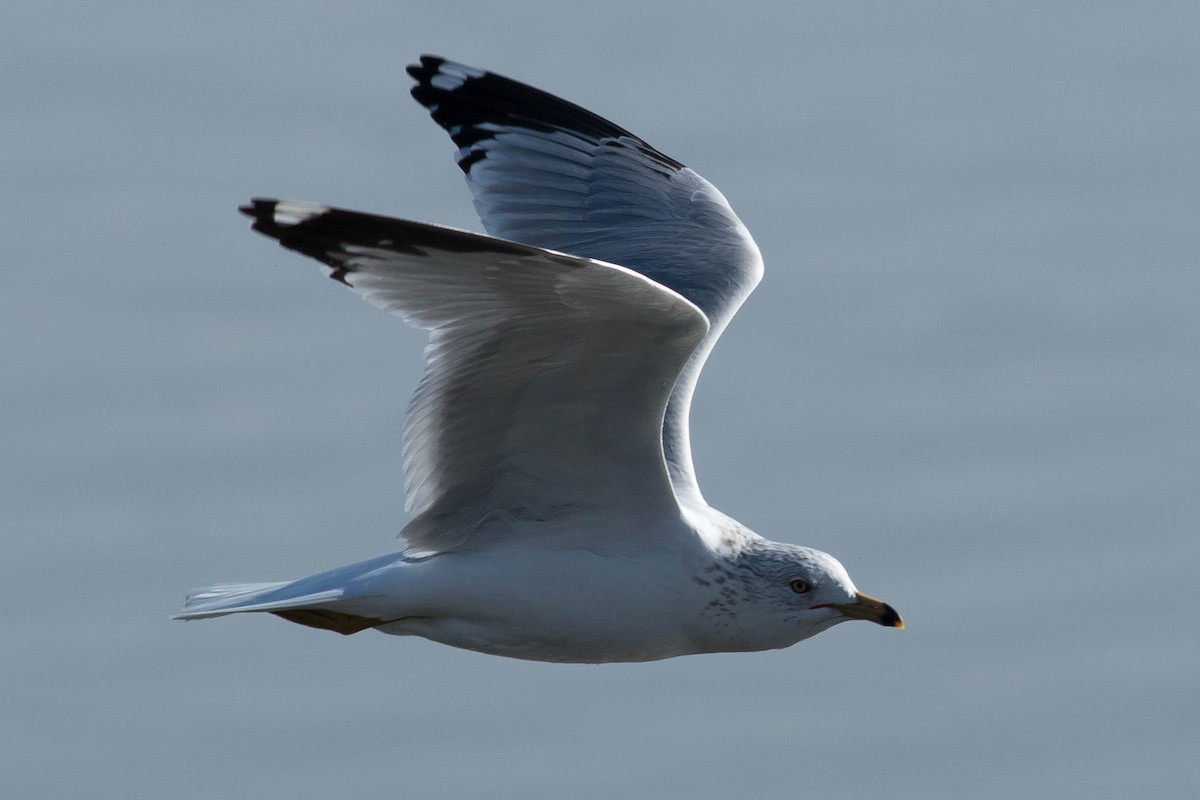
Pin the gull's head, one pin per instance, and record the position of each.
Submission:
(799, 591)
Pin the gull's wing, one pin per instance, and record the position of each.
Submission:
(549, 173)
(546, 377)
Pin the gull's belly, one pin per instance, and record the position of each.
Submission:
(553, 604)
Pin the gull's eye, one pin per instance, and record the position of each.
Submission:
(801, 587)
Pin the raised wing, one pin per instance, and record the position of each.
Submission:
(549, 173)
(546, 376)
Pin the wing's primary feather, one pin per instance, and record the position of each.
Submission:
(546, 378)
(549, 173)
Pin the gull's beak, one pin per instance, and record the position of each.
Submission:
(868, 608)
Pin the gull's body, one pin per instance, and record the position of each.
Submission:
(557, 515)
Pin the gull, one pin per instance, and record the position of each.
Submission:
(555, 513)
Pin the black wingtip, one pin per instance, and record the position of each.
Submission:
(423, 73)
(262, 211)
(299, 235)
(258, 207)
(426, 68)
(473, 104)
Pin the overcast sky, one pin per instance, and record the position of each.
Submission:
(971, 372)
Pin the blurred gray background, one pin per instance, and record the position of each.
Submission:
(971, 372)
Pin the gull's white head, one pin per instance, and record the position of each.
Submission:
(772, 594)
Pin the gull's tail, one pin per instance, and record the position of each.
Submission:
(307, 609)
(230, 598)
(324, 600)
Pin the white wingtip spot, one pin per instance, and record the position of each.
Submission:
(293, 212)
(451, 76)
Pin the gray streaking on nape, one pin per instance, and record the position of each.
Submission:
(556, 513)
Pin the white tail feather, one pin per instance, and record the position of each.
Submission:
(232, 598)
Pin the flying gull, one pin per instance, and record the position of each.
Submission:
(555, 510)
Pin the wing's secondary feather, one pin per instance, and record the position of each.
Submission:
(549, 173)
(547, 375)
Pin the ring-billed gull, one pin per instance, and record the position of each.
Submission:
(556, 514)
